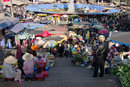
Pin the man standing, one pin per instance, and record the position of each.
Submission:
(100, 56)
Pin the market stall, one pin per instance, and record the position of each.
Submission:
(56, 18)
(65, 18)
(120, 37)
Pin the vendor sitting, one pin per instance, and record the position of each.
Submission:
(28, 66)
(40, 62)
(8, 68)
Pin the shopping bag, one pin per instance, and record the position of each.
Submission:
(106, 65)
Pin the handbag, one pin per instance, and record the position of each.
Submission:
(106, 65)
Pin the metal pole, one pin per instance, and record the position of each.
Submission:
(127, 3)
(98, 2)
(12, 11)
(34, 1)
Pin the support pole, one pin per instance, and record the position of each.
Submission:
(12, 11)
(98, 2)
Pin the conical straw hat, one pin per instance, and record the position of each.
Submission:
(10, 60)
(27, 56)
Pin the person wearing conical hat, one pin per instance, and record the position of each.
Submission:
(28, 66)
(8, 67)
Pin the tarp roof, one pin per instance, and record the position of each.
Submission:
(42, 7)
(121, 37)
(32, 25)
(17, 28)
(8, 22)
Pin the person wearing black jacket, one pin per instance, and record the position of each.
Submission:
(20, 64)
(100, 56)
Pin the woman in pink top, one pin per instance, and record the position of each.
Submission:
(28, 66)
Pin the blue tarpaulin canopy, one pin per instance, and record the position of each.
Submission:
(32, 25)
(8, 22)
(42, 7)
(17, 28)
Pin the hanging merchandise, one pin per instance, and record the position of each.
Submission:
(35, 47)
(9, 45)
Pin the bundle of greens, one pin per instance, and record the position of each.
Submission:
(122, 71)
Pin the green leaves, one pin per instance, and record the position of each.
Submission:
(123, 72)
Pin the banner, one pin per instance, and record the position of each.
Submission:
(6, 0)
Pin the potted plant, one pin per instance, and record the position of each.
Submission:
(78, 59)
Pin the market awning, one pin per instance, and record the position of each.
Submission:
(120, 37)
(32, 25)
(17, 28)
(8, 22)
(56, 15)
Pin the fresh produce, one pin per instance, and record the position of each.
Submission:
(122, 71)
(77, 58)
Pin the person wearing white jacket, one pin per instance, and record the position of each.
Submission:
(8, 67)
(8, 70)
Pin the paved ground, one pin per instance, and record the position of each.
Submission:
(65, 74)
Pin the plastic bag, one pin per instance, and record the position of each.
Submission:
(106, 65)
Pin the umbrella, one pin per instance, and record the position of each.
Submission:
(65, 16)
(55, 38)
(57, 32)
(121, 37)
(31, 12)
(83, 23)
(98, 27)
(56, 15)
(77, 26)
(60, 29)
(74, 26)
(63, 23)
(103, 31)
(83, 27)
(49, 44)
(42, 14)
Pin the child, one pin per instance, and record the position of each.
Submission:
(18, 75)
